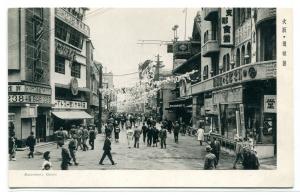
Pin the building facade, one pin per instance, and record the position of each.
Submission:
(70, 68)
(29, 89)
(237, 91)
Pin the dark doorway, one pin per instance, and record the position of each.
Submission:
(41, 127)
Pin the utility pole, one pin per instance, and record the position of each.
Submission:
(156, 78)
(100, 99)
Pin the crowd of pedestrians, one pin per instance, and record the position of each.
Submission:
(135, 126)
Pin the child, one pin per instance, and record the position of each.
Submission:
(46, 164)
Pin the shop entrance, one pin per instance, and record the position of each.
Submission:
(41, 127)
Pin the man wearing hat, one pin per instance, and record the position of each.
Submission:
(136, 135)
(92, 137)
(107, 149)
(239, 150)
(210, 160)
(79, 137)
(65, 156)
(176, 131)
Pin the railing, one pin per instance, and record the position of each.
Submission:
(72, 21)
(255, 71)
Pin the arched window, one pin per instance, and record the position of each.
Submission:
(237, 57)
(248, 54)
(243, 55)
(224, 63)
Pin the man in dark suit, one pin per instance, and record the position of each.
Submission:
(216, 149)
(107, 149)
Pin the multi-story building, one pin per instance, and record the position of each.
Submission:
(187, 57)
(29, 91)
(237, 91)
(70, 67)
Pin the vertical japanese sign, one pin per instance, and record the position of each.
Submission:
(227, 27)
(270, 103)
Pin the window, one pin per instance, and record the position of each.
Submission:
(237, 58)
(75, 69)
(59, 64)
(248, 54)
(228, 62)
(75, 38)
(243, 55)
(60, 30)
(205, 72)
(242, 15)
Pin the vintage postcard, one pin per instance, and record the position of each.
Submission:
(150, 97)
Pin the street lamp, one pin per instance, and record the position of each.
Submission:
(174, 28)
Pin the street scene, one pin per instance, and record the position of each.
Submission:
(142, 89)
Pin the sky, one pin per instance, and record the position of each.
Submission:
(115, 33)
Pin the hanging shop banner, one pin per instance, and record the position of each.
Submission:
(227, 27)
(65, 51)
(270, 103)
(65, 104)
(29, 89)
(228, 78)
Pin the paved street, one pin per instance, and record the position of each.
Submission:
(187, 155)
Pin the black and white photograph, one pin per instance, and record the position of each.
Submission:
(142, 89)
(152, 90)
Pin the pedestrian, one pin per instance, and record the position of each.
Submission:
(85, 136)
(92, 137)
(200, 133)
(216, 149)
(136, 135)
(72, 149)
(73, 131)
(108, 130)
(12, 145)
(155, 136)
(107, 149)
(60, 136)
(250, 161)
(30, 143)
(129, 133)
(238, 152)
(149, 136)
(169, 126)
(123, 120)
(210, 160)
(144, 131)
(176, 131)
(163, 137)
(65, 156)
(117, 133)
(46, 164)
(79, 137)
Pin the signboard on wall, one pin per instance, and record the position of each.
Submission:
(232, 95)
(29, 112)
(29, 89)
(270, 103)
(65, 104)
(33, 99)
(227, 27)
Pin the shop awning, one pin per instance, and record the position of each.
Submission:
(71, 115)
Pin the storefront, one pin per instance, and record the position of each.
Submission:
(30, 104)
(182, 107)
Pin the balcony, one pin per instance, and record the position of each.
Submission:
(210, 48)
(264, 14)
(210, 14)
(246, 73)
(71, 20)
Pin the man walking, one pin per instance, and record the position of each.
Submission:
(72, 149)
(144, 131)
(238, 152)
(85, 136)
(136, 135)
(200, 133)
(107, 149)
(65, 156)
(176, 131)
(79, 137)
(163, 137)
(30, 142)
(149, 136)
(92, 137)
(216, 148)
